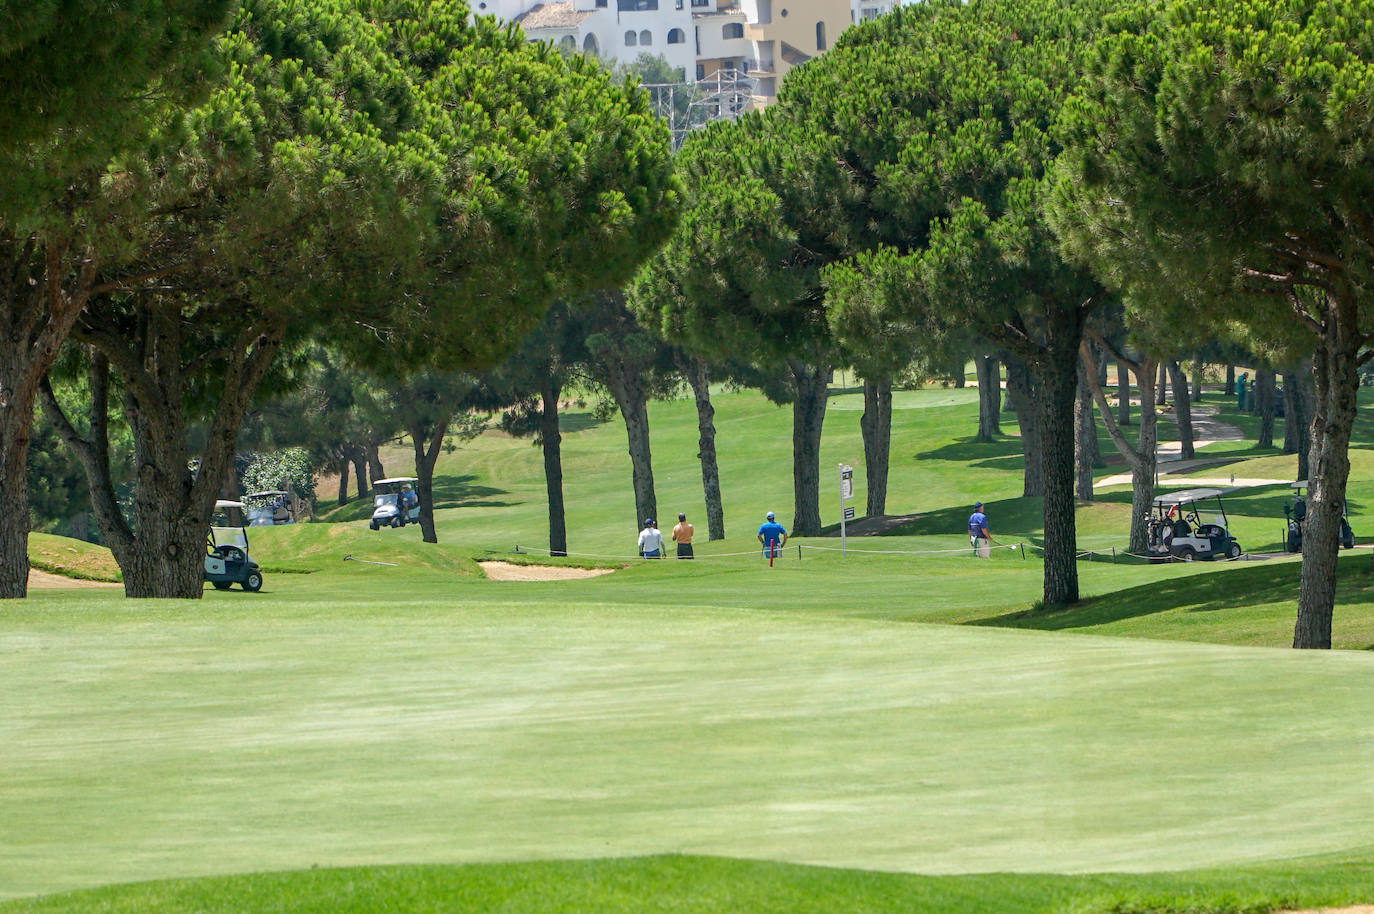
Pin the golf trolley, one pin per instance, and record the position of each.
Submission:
(1295, 511)
(1175, 529)
(226, 554)
(389, 508)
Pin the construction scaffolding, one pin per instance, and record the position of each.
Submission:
(722, 96)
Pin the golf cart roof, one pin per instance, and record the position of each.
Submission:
(265, 493)
(221, 504)
(1187, 495)
(1300, 484)
(382, 482)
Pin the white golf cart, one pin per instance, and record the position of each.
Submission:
(268, 508)
(1295, 511)
(389, 507)
(226, 552)
(1175, 528)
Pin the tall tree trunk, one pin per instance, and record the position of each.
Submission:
(1307, 396)
(876, 426)
(699, 377)
(360, 471)
(989, 397)
(1198, 371)
(1162, 385)
(1230, 380)
(1028, 418)
(1292, 413)
(15, 429)
(43, 287)
(1264, 402)
(427, 440)
(1335, 373)
(808, 415)
(1084, 438)
(551, 439)
(1056, 387)
(1183, 410)
(344, 465)
(374, 460)
(1123, 393)
(633, 401)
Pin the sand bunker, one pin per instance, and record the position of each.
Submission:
(42, 580)
(505, 571)
(1356, 909)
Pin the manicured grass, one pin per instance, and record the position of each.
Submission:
(550, 735)
(706, 885)
(72, 558)
(477, 721)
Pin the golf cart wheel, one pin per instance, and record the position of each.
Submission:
(221, 585)
(372, 524)
(253, 583)
(1348, 542)
(398, 522)
(1186, 554)
(1233, 550)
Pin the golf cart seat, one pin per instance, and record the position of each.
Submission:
(1211, 530)
(1181, 528)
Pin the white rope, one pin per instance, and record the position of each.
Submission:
(622, 557)
(963, 551)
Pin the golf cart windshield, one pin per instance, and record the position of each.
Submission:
(382, 499)
(229, 536)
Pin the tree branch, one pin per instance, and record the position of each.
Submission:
(1133, 456)
(93, 454)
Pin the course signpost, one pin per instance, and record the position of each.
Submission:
(846, 494)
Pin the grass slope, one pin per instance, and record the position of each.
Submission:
(704, 885)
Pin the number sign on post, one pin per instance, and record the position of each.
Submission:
(846, 512)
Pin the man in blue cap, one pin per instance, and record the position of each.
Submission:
(772, 535)
(978, 535)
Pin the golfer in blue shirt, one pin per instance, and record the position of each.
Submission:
(772, 535)
(978, 535)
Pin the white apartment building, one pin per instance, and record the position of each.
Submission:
(760, 39)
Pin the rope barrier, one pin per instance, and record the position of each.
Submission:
(1022, 546)
(910, 552)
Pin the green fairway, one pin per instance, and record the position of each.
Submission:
(903, 709)
(269, 732)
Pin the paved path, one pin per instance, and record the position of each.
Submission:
(1207, 429)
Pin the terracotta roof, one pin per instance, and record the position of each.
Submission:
(552, 16)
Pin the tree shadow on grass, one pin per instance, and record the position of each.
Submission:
(1007, 514)
(460, 492)
(571, 423)
(1275, 582)
(1000, 453)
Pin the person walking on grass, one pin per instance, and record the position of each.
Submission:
(682, 535)
(650, 540)
(772, 535)
(978, 534)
